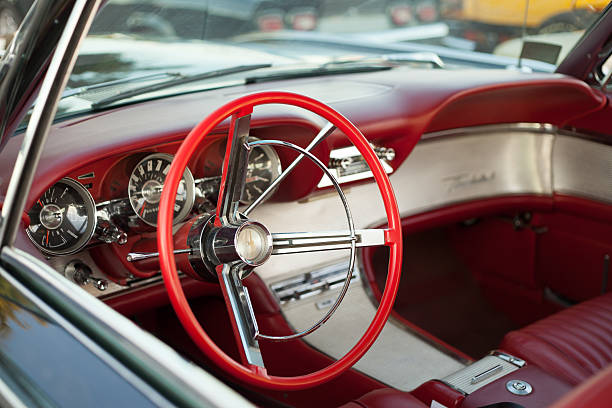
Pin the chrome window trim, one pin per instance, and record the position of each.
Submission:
(8, 398)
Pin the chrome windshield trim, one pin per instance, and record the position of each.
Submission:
(8, 398)
(53, 84)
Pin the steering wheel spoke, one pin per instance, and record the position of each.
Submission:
(239, 305)
(235, 164)
(298, 242)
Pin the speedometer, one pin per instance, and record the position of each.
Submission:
(145, 188)
(263, 168)
(63, 219)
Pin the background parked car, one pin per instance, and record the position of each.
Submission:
(188, 19)
(490, 22)
(11, 14)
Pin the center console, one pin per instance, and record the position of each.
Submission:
(498, 378)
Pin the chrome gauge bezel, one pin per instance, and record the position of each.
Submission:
(276, 166)
(92, 220)
(189, 188)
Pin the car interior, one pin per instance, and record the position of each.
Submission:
(503, 185)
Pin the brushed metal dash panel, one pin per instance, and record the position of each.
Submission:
(444, 171)
(582, 167)
(439, 172)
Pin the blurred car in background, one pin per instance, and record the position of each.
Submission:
(490, 22)
(407, 12)
(187, 19)
(11, 14)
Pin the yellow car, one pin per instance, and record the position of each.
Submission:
(543, 15)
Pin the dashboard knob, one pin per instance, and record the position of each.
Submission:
(81, 274)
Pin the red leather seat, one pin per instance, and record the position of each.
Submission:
(386, 397)
(573, 344)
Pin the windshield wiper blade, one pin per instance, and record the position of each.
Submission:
(81, 89)
(183, 79)
(318, 71)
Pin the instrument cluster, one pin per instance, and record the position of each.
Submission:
(65, 219)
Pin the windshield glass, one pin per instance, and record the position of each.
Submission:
(142, 49)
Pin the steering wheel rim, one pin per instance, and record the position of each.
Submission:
(255, 375)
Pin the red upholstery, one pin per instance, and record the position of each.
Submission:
(594, 393)
(573, 344)
(386, 397)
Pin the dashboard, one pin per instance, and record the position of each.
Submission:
(94, 199)
(107, 210)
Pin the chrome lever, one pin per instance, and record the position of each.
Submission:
(139, 256)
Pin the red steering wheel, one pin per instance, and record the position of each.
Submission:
(230, 244)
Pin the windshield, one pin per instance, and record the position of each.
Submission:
(142, 49)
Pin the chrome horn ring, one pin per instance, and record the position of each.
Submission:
(352, 237)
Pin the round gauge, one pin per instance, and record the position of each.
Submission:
(263, 168)
(63, 219)
(145, 188)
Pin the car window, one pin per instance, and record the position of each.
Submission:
(133, 44)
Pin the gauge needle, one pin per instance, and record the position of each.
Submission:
(40, 203)
(143, 208)
(47, 237)
(256, 178)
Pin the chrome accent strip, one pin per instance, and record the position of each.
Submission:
(582, 167)
(486, 374)
(529, 127)
(139, 256)
(243, 313)
(234, 179)
(509, 358)
(198, 381)
(299, 242)
(348, 165)
(8, 398)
